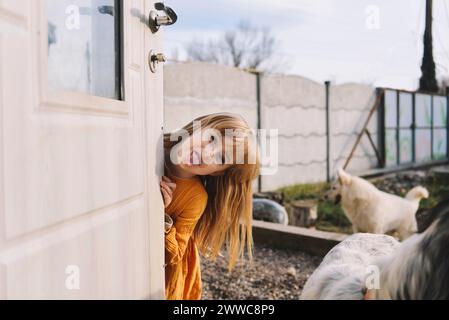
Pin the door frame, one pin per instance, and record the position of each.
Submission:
(154, 122)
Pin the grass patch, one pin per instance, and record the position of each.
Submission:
(330, 216)
(304, 191)
(438, 190)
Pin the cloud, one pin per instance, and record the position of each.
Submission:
(328, 39)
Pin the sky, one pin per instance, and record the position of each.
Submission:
(376, 42)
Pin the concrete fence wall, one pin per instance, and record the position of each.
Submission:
(294, 105)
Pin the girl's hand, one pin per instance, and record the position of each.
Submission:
(167, 189)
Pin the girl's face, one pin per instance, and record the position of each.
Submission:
(204, 155)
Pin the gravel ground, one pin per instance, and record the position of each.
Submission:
(273, 275)
(402, 182)
(281, 274)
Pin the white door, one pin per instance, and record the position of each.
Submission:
(81, 120)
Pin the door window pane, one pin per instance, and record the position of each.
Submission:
(391, 109)
(423, 145)
(423, 110)
(439, 144)
(405, 142)
(406, 110)
(84, 47)
(440, 111)
(390, 147)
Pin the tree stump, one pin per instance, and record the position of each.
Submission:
(303, 213)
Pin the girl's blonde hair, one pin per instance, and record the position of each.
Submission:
(227, 219)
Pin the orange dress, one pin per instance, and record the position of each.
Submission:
(182, 270)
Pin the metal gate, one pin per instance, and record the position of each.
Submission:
(414, 128)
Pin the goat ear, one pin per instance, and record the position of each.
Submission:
(343, 177)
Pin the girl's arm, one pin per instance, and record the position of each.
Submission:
(177, 238)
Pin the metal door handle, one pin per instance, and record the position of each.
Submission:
(156, 21)
(155, 59)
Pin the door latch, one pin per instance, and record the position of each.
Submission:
(155, 59)
(156, 20)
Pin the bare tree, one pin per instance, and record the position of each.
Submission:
(203, 51)
(247, 46)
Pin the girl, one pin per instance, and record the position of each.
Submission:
(207, 193)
